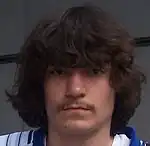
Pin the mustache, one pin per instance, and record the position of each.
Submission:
(69, 103)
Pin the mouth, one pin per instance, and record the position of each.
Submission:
(75, 108)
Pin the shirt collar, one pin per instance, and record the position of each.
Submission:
(38, 138)
(131, 134)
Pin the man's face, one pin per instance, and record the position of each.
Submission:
(78, 99)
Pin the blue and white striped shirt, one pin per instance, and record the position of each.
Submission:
(37, 138)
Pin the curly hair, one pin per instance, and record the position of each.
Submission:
(84, 36)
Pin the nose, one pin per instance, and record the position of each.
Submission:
(76, 86)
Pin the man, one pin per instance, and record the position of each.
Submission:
(77, 83)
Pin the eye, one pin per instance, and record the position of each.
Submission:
(57, 72)
(94, 72)
(60, 71)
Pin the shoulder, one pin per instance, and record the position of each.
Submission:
(17, 138)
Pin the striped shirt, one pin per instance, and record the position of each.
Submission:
(37, 138)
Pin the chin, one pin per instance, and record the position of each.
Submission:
(78, 126)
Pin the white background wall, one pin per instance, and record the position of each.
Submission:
(18, 17)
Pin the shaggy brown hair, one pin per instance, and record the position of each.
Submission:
(84, 36)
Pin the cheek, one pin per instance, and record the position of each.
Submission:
(54, 92)
(102, 95)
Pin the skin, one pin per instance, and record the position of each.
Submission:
(89, 101)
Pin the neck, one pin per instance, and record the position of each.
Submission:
(99, 138)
